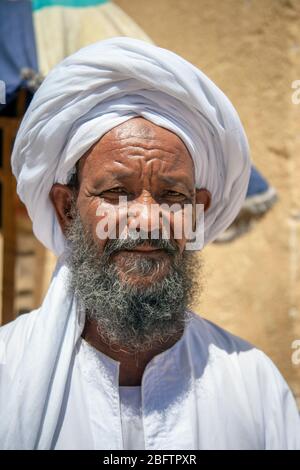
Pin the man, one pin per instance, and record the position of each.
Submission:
(129, 133)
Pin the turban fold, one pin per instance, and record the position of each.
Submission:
(107, 83)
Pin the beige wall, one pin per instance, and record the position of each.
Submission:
(251, 49)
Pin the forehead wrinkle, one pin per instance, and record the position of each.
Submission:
(139, 147)
(173, 141)
(111, 174)
(126, 158)
(151, 155)
(150, 162)
(130, 137)
(173, 180)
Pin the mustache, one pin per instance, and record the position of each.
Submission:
(112, 246)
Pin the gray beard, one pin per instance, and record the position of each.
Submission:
(128, 315)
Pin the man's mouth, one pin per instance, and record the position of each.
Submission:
(152, 248)
(144, 250)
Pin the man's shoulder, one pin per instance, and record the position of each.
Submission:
(207, 331)
(247, 377)
(239, 352)
(15, 335)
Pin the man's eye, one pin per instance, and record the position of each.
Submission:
(114, 194)
(174, 193)
(115, 191)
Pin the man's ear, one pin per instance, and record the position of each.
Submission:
(61, 197)
(203, 196)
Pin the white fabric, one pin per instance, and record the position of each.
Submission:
(83, 415)
(132, 418)
(210, 390)
(106, 84)
(34, 366)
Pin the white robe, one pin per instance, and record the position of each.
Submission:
(211, 390)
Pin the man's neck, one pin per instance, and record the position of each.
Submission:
(132, 365)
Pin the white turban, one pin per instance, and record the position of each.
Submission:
(86, 95)
(107, 83)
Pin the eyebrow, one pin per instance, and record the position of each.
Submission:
(174, 181)
(114, 176)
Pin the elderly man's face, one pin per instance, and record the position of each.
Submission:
(148, 165)
(136, 291)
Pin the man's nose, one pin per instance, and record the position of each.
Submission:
(144, 213)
